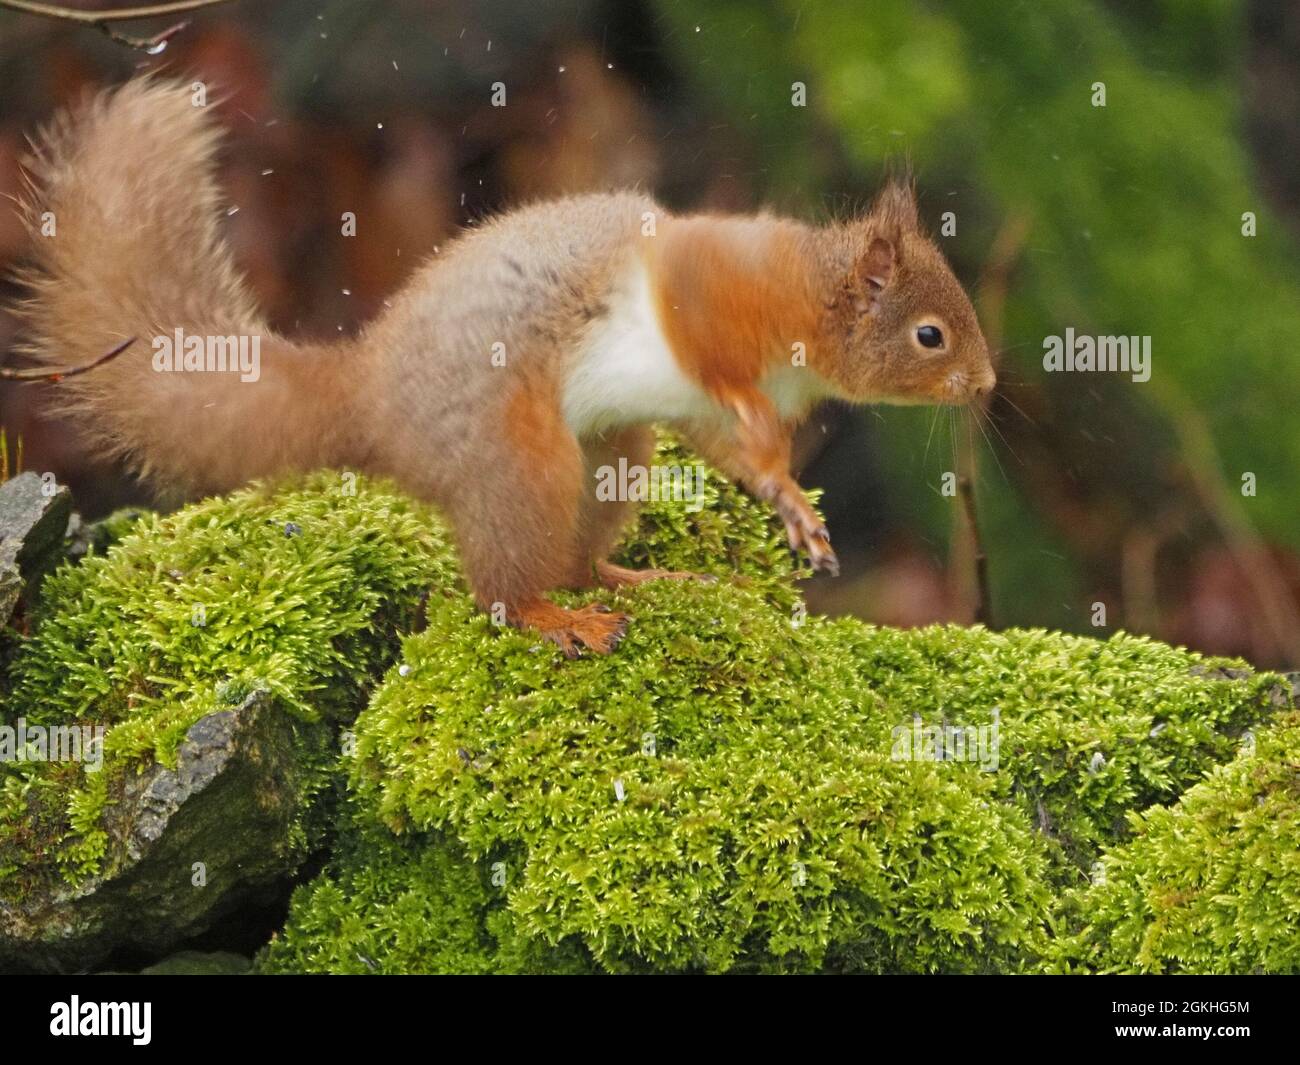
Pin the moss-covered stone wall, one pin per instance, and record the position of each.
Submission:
(740, 787)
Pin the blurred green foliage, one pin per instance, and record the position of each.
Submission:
(1135, 210)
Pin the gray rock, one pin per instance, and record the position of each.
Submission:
(220, 829)
(32, 525)
(11, 589)
(1283, 695)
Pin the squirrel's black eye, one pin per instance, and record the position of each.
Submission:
(929, 336)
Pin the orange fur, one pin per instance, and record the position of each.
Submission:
(137, 252)
(733, 295)
(533, 422)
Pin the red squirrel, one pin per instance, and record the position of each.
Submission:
(537, 348)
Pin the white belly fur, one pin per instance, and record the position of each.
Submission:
(625, 372)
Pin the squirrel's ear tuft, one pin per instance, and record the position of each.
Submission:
(894, 212)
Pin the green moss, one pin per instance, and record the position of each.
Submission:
(722, 794)
(760, 825)
(1089, 730)
(411, 904)
(764, 824)
(109, 530)
(727, 792)
(724, 532)
(1210, 884)
(299, 591)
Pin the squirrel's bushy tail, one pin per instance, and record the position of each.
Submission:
(124, 212)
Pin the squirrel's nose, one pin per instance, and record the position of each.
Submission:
(984, 385)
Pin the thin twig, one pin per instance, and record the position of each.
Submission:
(42, 373)
(153, 45)
(983, 613)
(101, 19)
(121, 14)
(996, 276)
(993, 287)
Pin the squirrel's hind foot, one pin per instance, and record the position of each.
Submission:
(594, 627)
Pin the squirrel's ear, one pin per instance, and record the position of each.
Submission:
(891, 217)
(875, 269)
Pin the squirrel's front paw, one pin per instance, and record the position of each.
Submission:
(815, 541)
(820, 554)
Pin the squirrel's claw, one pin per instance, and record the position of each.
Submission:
(821, 556)
(814, 539)
(823, 559)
